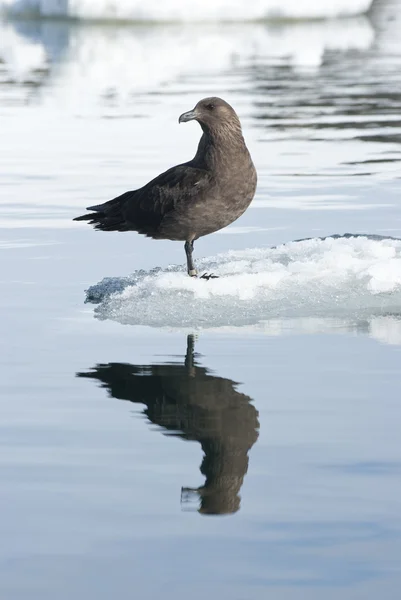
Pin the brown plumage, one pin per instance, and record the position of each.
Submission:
(195, 198)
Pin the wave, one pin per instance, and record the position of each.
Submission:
(340, 277)
(188, 10)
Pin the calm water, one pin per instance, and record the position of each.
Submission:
(239, 440)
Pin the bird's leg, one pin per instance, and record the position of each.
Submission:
(189, 246)
(192, 272)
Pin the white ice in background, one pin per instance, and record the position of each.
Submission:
(21, 56)
(188, 10)
(107, 65)
(335, 277)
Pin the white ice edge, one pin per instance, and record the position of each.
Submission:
(385, 329)
(339, 278)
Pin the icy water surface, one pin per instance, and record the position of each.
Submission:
(167, 437)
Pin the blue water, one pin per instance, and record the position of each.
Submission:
(238, 458)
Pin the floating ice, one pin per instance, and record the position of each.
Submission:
(22, 57)
(187, 10)
(335, 277)
(106, 66)
(93, 67)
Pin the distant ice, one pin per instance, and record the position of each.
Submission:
(187, 10)
(21, 56)
(115, 66)
(110, 64)
(96, 67)
(341, 278)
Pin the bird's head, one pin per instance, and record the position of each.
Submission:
(212, 113)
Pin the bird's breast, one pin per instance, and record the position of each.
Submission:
(217, 205)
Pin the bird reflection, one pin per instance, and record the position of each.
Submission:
(189, 401)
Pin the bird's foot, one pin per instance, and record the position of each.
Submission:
(208, 276)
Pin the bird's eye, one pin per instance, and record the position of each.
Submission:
(210, 106)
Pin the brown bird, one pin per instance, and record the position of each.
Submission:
(195, 198)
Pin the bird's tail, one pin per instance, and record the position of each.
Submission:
(89, 216)
(106, 217)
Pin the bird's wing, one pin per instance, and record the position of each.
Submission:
(144, 209)
(165, 193)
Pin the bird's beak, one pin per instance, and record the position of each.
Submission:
(188, 116)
